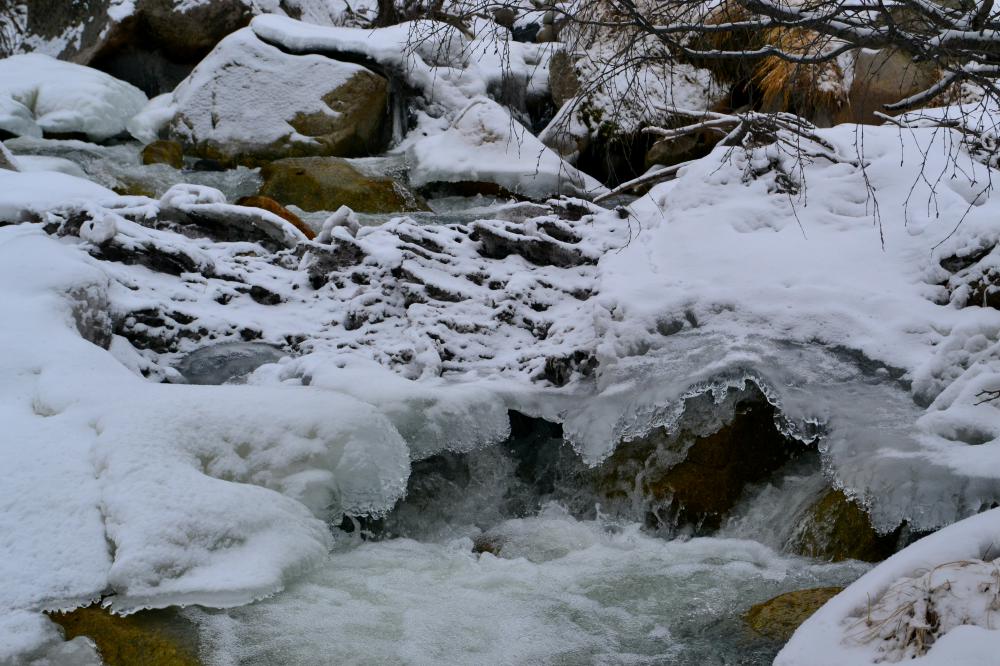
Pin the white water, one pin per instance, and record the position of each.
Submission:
(572, 592)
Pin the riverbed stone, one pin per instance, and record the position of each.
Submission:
(150, 638)
(778, 618)
(687, 479)
(164, 152)
(325, 183)
(837, 528)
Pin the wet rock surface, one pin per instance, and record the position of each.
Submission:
(778, 618)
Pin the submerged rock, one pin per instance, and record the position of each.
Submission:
(150, 638)
(837, 528)
(223, 362)
(327, 183)
(778, 618)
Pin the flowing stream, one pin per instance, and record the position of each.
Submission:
(479, 566)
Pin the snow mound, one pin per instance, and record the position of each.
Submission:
(25, 193)
(933, 603)
(39, 94)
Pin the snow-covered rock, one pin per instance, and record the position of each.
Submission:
(249, 102)
(484, 144)
(34, 192)
(39, 94)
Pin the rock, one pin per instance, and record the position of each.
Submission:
(563, 80)
(326, 183)
(836, 529)
(274, 207)
(250, 103)
(150, 638)
(505, 16)
(778, 618)
(219, 363)
(695, 479)
(164, 152)
(92, 314)
(152, 44)
(681, 149)
(883, 77)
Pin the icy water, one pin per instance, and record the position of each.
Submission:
(561, 588)
(570, 592)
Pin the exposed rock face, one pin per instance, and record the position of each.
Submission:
(250, 103)
(152, 44)
(883, 77)
(778, 618)
(164, 152)
(324, 183)
(695, 478)
(836, 529)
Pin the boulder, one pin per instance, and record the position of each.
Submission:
(151, 638)
(882, 77)
(695, 479)
(778, 618)
(164, 152)
(836, 528)
(327, 183)
(251, 103)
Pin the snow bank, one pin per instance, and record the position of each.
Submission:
(39, 94)
(930, 604)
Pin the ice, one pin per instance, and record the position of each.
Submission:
(41, 94)
(226, 361)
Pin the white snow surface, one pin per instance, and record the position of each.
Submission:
(41, 94)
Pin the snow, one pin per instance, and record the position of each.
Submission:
(461, 133)
(42, 190)
(41, 94)
(942, 575)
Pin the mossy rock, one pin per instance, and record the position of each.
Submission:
(148, 638)
(698, 482)
(837, 528)
(778, 618)
(327, 183)
(164, 152)
(131, 187)
(272, 206)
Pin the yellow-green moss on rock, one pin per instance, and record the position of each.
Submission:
(837, 528)
(778, 618)
(327, 183)
(164, 152)
(148, 638)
